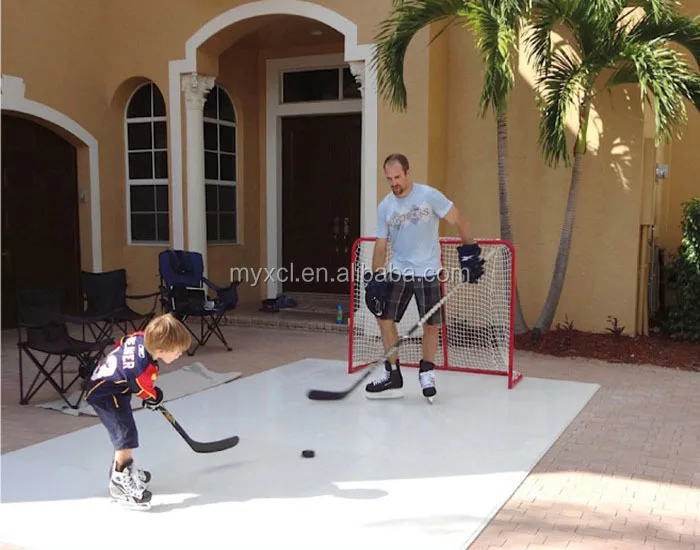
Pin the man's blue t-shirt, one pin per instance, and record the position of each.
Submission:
(412, 224)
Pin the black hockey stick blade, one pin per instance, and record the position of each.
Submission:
(199, 446)
(328, 395)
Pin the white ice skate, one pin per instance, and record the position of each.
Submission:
(142, 476)
(126, 488)
(426, 377)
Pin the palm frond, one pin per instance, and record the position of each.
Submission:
(624, 73)
(394, 35)
(495, 29)
(670, 27)
(656, 9)
(665, 80)
(692, 84)
(507, 10)
(565, 83)
(546, 15)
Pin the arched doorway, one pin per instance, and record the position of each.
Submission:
(40, 228)
(210, 41)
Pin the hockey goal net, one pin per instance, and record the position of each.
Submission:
(477, 330)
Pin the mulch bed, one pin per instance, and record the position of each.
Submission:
(654, 349)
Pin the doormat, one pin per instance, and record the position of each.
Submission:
(185, 381)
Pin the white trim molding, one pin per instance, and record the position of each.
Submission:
(273, 143)
(359, 56)
(196, 89)
(13, 99)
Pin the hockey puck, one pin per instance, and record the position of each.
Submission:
(308, 453)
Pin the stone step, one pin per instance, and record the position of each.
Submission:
(248, 315)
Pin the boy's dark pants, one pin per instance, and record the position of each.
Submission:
(116, 415)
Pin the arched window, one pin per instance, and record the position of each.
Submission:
(147, 167)
(220, 167)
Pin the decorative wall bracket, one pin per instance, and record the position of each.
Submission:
(196, 88)
(357, 68)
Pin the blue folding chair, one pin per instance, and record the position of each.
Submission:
(185, 292)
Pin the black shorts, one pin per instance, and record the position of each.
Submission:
(116, 415)
(400, 291)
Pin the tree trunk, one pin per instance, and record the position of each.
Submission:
(550, 306)
(544, 322)
(506, 230)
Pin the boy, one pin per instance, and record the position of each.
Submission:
(132, 368)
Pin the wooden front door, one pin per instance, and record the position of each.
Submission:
(40, 235)
(321, 180)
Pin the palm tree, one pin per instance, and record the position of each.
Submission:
(496, 27)
(609, 43)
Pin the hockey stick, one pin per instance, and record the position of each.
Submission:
(199, 446)
(328, 395)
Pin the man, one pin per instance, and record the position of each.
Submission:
(409, 216)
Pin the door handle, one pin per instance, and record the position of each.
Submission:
(346, 233)
(336, 231)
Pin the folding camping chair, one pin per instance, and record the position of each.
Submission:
(106, 300)
(184, 293)
(42, 329)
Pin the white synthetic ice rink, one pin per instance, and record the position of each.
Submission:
(387, 474)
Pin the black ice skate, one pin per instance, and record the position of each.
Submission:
(426, 377)
(126, 488)
(388, 386)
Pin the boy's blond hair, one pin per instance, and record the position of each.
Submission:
(167, 334)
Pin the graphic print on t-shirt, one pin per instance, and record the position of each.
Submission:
(415, 215)
(411, 223)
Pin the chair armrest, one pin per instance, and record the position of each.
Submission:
(142, 296)
(83, 320)
(211, 285)
(218, 288)
(37, 324)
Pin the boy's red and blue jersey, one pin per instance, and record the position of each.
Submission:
(128, 368)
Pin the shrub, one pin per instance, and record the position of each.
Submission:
(683, 278)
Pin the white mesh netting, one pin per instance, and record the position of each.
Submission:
(477, 319)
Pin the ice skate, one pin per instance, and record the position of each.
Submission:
(388, 386)
(426, 377)
(126, 488)
(143, 476)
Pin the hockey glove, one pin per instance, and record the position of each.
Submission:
(471, 262)
(375, 292)
(153, 402)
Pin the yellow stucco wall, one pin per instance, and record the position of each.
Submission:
(59, 72)
(601, 277)
(683, 183)
(88, 64)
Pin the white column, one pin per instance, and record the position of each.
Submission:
(196, 88)
(368, 199)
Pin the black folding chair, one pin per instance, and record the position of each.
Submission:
(43, 329)
(185, 293)
(106, 301)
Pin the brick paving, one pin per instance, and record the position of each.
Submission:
(624, 475)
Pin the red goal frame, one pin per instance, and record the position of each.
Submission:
(513, 376)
